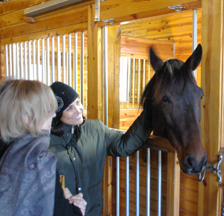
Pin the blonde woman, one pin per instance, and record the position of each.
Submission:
(27, 167)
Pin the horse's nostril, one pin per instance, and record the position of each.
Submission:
(189, 161)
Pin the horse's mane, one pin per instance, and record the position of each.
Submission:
(173, 72)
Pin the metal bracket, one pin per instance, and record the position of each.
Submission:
(97, 10)
(212, 168)
(110, 21)
(177, 8)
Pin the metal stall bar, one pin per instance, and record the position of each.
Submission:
(34, 68)
(21, 61)
(82, 69)
(10, 60)
(58, 59)
(148, 183)
(69, 60)
(137, 198)
(63, 58)
(25, 61)
(106, 72)
(129, 82)
(194, 38)
(133, 89)
(13, 61)
(118, 186)
(85, 107)
(52, 61)
(127, 186)
(138, 88)
(48, 62)
(29, 60)
(38, 60)
(159, 195)
(75, 63)
(143, 83)
(6, 60)
(17, 61)
(43, 62)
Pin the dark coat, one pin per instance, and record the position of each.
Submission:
(62, 207)
(82, 161)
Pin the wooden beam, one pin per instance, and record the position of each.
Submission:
(95, 97)
(209, 200)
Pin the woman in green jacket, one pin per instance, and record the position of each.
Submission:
(81, 146)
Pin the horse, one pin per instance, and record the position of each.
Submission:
(171, 103)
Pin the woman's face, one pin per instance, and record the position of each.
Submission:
(47, 123)
(72, 115)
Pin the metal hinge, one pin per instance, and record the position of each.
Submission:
(212, 168)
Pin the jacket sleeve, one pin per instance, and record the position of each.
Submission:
(119, 144)
(62, 205)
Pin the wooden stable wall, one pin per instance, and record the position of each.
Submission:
(15, 27)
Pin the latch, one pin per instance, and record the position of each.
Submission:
(215, 169)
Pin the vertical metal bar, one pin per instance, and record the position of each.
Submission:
(129, 82)
(85, 107)
(144, 74)
(38, 60)
(17, 61)
(48, 61)
(106, 72)
(13, 61)
(69, 61)
(29, 60)
(10, 60)
(194, 42)
(138, 87)
(148, 183)
(133, 89)
(117, 186)
(137, 201)
(43, 62)
(58, 59)
(21, 60)
(34, 66)
(52, 61)
(82, 69)
(6, 60)
(63, 57)
(127, 187)
(159, 183)
(25, 61)
(75, 63)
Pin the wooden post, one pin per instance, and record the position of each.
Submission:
(114, 41)
(209, 194)
(95, 80)
(2, 62)
(173, 185)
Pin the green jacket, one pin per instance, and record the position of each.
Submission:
(82, 162)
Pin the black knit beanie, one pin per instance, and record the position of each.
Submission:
(64, 94)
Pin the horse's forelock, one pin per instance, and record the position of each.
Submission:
(172, 73)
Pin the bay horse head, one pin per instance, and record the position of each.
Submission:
(171, 102)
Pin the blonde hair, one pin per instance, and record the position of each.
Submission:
(20, 99)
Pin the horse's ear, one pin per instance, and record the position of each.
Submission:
(155, 61)
(194, 60)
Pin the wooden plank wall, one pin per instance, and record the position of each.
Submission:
(175, 28)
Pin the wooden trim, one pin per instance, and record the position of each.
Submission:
(209, 196)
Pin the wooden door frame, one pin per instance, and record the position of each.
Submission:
(209, 193)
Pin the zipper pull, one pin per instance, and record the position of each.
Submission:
(72, 129)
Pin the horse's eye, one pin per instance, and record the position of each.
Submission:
(165, 98)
